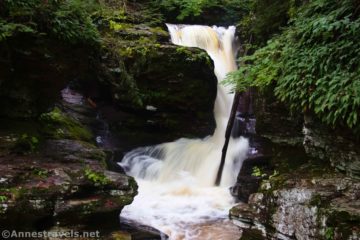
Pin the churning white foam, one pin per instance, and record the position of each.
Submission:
(176, 180)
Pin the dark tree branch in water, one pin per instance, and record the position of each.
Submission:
(229, 127)
(227, 136)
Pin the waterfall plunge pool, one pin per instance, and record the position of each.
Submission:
(176, 180)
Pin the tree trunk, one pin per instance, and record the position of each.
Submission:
(227, 136)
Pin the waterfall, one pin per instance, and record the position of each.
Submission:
(176, 179)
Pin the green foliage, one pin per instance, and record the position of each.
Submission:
(98, 179)
(190, 9)
(43, 173)
(314, 64)
(259, 69)
(257, 172)
(26, 144)
(3, 198)
(329, 233)
(274, 174)
(72, 21)
(261, 19)
(187, 7)
(67, 20)
(10, 29)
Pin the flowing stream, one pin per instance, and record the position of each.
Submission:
(176, 180)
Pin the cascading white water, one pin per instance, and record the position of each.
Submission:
(176, 180)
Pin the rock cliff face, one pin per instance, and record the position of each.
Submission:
(318, 207)
(297, 192)
(33, 70)
(56, 175)
(69, 112)
(157, 88)
(337, 146)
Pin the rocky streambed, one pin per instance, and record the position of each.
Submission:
(57, 158)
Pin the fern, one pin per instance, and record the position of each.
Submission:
(314, 64)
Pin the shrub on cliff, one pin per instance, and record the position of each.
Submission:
(314, 64)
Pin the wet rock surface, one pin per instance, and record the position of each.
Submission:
(248, 182)
(53, 172)
(37, 187)
(78, 111)
(295, 193)
(301, 206)
(57, 175)
(340, 148)
(275, 122)
(157, 88)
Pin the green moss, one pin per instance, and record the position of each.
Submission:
(115, 26)
(194, 55)
(40, 172)
(159, 31)
(138, 48)
(275, 182)
(98, 179)
(23, 194)
(124, 200)
(58, 125)
(92, 152)
(133, 185)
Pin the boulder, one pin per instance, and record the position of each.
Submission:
(301, 206)
(54, 176)
(156, 91)
(67, 183)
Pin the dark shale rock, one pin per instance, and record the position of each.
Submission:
(304, 198)
(248, 183)
(339, 147)
(155, 89)
(38, 187)
(33, 70)
(60, 178)
(298, 206)
(275, 122)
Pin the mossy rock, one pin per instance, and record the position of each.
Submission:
(58, 125)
